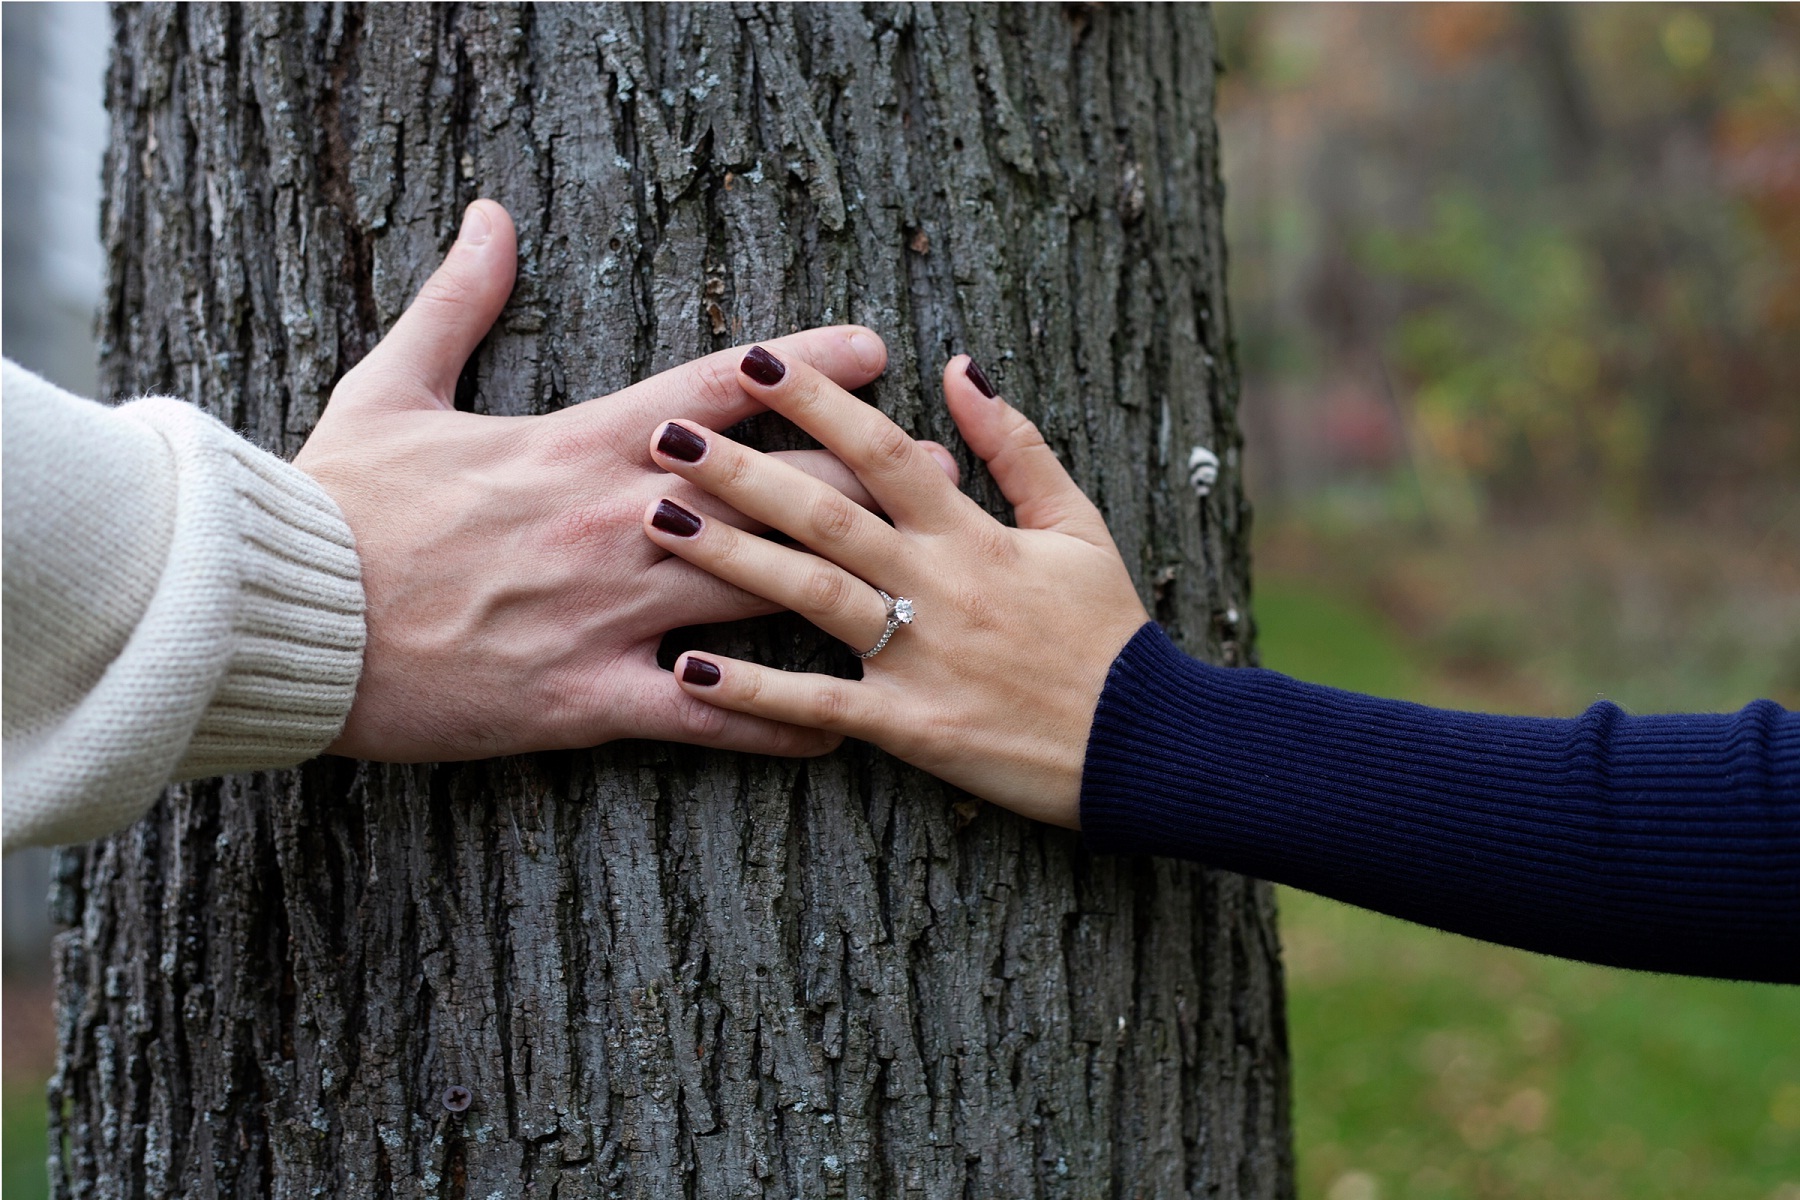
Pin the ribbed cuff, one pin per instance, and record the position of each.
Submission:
(298, 632)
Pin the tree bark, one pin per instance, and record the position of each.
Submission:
(655, 971)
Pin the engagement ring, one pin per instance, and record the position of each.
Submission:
(899, 612)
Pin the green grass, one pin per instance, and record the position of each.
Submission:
(1433, 1067)
(1324, 638)
(1428, 1067)
(23, 1125)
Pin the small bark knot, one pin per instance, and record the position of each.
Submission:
(457, 1097)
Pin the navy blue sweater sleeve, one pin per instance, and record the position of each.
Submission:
(1666, 843)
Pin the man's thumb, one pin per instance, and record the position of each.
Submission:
(453, 311)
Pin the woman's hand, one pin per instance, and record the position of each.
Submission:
(993, 685)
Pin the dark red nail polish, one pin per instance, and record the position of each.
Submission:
(670, 517)
(699, 671)
(979, 378)
(680, 442)
(764, 367)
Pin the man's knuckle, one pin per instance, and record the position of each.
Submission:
(565, 443)
(580, 525)
(714, 379)
(586, 525)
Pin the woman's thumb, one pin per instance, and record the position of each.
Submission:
(1030, 476)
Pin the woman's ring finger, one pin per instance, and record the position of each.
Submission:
(821, 591)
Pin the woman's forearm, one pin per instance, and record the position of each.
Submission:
(1666, 843)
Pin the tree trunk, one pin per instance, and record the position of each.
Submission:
(653, 971)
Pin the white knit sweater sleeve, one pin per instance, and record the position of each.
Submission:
(178, 604)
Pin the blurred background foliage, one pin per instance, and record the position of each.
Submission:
(1503, 261)
(1517, 298)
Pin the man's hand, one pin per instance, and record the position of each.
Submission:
(513, 602)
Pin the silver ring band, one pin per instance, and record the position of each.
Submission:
(899, 612)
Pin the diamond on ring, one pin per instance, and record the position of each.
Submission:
(899, 612)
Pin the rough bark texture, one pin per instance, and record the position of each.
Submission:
(660, 972)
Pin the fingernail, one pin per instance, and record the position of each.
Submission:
(476, 228)
(681, 443)
(869, 350)
(698, 670)
(979, 379)
(763, 367)
(670, 517)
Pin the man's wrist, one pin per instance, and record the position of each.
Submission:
(296, 647)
